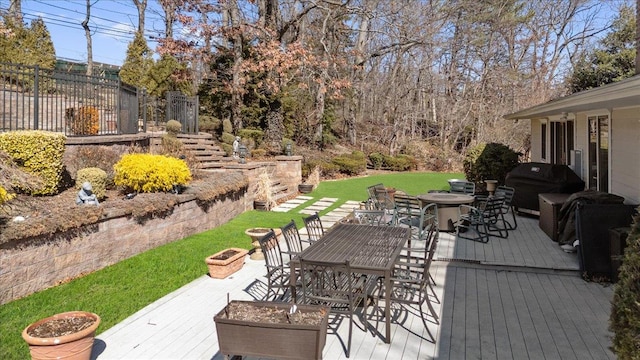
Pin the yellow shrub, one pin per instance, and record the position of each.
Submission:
(39, 153)
(150, 173)
(84, 121)
(4, 195)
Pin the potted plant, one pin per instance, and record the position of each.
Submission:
(311, 181)
(263, 199)
(285, 331)
(255, 234)
(225, 262)
(67, 335)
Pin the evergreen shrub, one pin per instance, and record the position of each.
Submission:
(96, 177)
(173, 127)
(351, 164)
(151, 173)
(401, 162)
(83, 121)
(624, 320)
(256, 136)
(489, 162)
(377, 160)
(39, 153)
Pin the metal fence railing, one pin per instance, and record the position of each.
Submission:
(33, 98)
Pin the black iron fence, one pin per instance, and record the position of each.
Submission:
(33, 98)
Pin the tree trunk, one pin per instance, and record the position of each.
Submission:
(87, 33)
(637, 37)
(15, 11)
(141, 5)
(236, 43)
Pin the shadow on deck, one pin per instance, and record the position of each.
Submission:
(520, 298)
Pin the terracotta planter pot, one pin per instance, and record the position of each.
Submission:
(281, 340)
(255, 234)
(76, 346)
(221, 268)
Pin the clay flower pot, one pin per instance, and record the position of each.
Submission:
(255, 234)
(74, 346)
(225, 262)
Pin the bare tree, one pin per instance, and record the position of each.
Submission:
(87, 34)
(15, 11)
(141, 6)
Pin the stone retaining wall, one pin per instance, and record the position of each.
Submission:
(28, 266)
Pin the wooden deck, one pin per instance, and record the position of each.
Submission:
(515, 298)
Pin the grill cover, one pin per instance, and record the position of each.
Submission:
(531, 179)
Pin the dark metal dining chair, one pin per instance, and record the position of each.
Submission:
(412, 283)
(295, 243)
(379, 197)
(335, 286)
(314, 227)
(277, 272)
(373, 217)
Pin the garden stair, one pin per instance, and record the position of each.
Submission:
(206, 151)
(211, 156)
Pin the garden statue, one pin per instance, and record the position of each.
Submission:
(236, 147)
(86, 195)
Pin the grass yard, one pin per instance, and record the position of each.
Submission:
(120, 290)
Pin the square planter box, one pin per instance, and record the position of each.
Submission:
(221, 268)
(269, 339)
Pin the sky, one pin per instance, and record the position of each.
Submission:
(112, 24)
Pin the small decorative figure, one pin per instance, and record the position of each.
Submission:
(86, 195)
(236, 147)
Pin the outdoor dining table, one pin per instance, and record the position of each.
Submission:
(369, 249)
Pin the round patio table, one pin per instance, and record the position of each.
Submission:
(447, 207)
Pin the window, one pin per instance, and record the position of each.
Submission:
(561, 141)
(599, 152)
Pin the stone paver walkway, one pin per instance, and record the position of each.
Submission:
(320, 205)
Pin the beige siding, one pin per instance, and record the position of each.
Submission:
(625, 157)
(536, 137)
(581, 141)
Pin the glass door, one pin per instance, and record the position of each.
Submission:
(599, 152)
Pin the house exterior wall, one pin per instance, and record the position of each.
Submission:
(625, 157)
(536, 140)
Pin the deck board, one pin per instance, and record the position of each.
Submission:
(514, 298)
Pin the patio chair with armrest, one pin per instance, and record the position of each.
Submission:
(507, 193)
(334, 285)
(412, 283)
(462, 187)
(483, 220)
(410, 213)
(373, 217)
(295, 244)
(277, 273)
(314, 227)
(379, 197)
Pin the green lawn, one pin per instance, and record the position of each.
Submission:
(120, 290)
